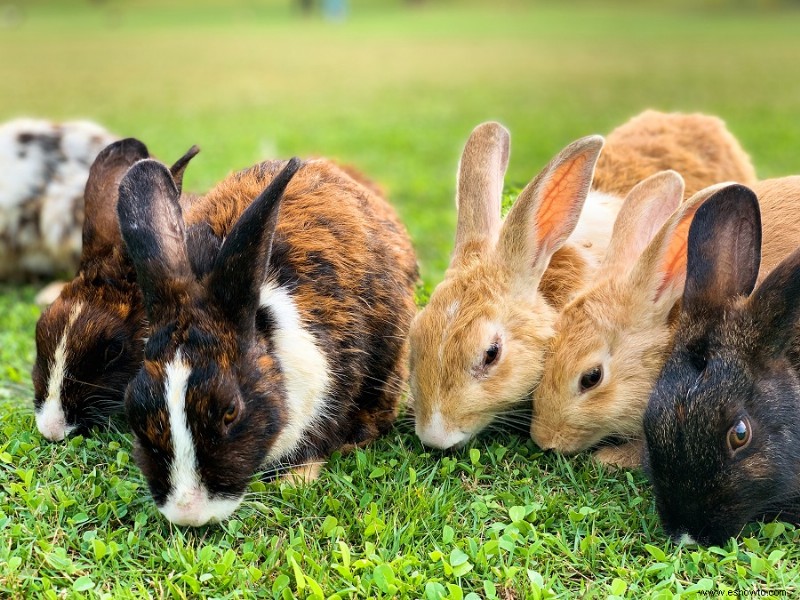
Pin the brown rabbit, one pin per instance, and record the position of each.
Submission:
(89, 340)
(293, 345)
(478, 348)
(611, 341)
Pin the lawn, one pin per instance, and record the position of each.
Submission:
(394, 91)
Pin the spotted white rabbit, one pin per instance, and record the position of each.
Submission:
(43, 171)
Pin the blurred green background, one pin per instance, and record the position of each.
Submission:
(395, 87)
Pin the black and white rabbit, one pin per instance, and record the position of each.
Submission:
(721, 426)
(292, 347)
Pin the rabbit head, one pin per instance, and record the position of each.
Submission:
(199, 456)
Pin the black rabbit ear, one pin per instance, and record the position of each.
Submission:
(179, 168)
(776, 305)
(101, 227)
(241, 264)
(152, 226)
(724, 249)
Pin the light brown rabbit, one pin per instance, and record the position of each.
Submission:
(612, 339)
(478, 348)
(480, 341)
(697, 146)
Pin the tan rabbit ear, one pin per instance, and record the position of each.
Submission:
(660, 272)
(480, 187)
(646, 208)
(547, 210)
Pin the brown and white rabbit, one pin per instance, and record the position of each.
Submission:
(292, 347)
(612, 339)
(89, 340)
(722, 442)
(43, 171)
(478, 348)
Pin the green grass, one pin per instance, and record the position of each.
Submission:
(395, 92)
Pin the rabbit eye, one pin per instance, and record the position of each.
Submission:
(231, 413)
(113, 351)
(491, 354)
(697, 354)
(591, 378)
(739, 435)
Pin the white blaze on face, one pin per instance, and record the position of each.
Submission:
(304, 367)
(188, 502)
(437, 434)
(50, 417)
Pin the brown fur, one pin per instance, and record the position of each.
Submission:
(779, 200)
(697, 146)
(314, 224)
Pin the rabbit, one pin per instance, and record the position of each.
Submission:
(89, 341)
(720, 427)
(477, 347)
(698, 146)
(291, 347)
(612, 339)
(44, 170)
(503, 288)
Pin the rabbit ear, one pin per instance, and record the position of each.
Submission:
(659, 274)
(101, 227)
(179, 168)
(646, 208)
(241, 265)
(724, 249)
(776, 305)
(151, 222)
(480, 188)
(547, 210)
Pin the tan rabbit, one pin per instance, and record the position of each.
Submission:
(697, 146)
(477, 349)
(479, 344)
(612, 339)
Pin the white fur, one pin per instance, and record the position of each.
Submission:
(50, 418)
(593, 231)
(687, 540)
(304, 366)
(188, 502)
(437, 434)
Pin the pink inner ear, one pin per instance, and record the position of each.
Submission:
(676, 254)
(557, 203)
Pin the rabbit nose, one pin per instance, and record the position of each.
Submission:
(52, 423)
(187, 508)
(544, 439)
(437, 434)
